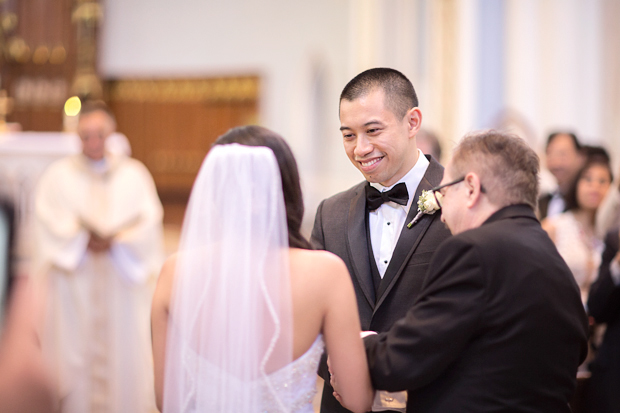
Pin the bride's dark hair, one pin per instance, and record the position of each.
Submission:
(291, 188)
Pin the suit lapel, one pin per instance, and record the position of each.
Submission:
(358, 244)
(410, 237)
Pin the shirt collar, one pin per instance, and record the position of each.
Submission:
(412, 179)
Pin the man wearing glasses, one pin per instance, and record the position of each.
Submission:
(499, 324)
(366, 225)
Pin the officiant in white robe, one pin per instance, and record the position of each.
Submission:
(99, 248)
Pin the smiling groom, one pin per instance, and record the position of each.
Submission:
(366, 225)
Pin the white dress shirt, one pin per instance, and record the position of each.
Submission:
(556, 204)
(386, 224)
(387, 221)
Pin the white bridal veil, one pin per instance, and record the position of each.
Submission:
(230, 322)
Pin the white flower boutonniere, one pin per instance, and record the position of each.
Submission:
(427, 204)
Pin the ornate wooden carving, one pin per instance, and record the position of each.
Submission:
(47, 54)
(38, 60)
(171, 123)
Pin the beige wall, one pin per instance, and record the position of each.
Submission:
(559, 63)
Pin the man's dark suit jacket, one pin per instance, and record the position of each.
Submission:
(340, 227)
(498, 327)
(543, 205)
(604, 306)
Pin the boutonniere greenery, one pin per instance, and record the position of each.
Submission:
(427, 204)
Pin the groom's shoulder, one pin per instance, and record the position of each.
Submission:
(434, 172)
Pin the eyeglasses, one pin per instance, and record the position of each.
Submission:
(439, 195)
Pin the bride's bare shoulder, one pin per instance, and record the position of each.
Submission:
(317, 264)
(170, 264)
(317, 257)
(166, 275)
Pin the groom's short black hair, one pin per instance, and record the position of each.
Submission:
(399, 92)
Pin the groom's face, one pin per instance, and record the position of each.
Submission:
(379, 143)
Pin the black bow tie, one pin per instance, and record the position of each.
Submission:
(398, 194)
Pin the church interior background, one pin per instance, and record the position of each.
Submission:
(179, 74)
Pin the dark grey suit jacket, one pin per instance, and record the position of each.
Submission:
(604, 306)
(340, 227)
(498, 326)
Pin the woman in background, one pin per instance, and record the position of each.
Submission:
(573, 231)
(574, 234)
(241, 312)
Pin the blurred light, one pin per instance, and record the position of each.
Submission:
(73, 105)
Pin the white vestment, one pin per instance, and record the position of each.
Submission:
(98, 320)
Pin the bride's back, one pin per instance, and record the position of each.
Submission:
(324, 303)
(314, 277)
(251, 310)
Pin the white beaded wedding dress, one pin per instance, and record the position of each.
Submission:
(290, 389)
(300, 377)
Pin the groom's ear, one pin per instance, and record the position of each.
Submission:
(414, 121)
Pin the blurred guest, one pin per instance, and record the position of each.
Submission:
(608, 214)
(573, 231)
(595, 152)
(99, 244)
(564, 159)
(429, 144)
(25, 384)
(604, 306)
